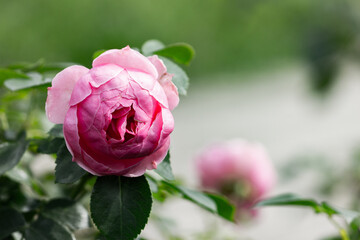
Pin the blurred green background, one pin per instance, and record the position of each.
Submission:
(228, 35)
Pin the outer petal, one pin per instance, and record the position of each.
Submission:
(165, 81)
(128, 59)
(170, 90)
(149, 162)
(71, 135)
(158, 64)
(57, 102)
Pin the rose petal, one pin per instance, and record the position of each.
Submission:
(147, 163)
(103, 74)
(57, 102)
(158, 64)
(170, 90)
(128, 59)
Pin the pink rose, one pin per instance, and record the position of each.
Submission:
(238, 169)
(116, 115)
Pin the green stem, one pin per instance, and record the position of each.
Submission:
(341, 230)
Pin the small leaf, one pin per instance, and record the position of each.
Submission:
(67, 213)
(57, 131)
(36, 80)
(120, 206)
(224, 208)
(180, 78)
(288, 199)
(181, 53)
(11, 153)
(164, 169)
(10, 221)
(9, 73)
(67, 171)
(150, 46)
(98, 53)
(47, 229)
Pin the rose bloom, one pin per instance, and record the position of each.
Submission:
(116, 115)
(240, 170)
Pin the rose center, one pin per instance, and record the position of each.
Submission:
(123, 125)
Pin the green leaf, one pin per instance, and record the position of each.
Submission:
(10, 221)
(196, 197)
(40, 66)
(180, 78)
(223, 207)
(120, 206)
(98, 53)
(67, 171)
(54, 67)
(36, 80)
(151, 46)
(11, 193)
(287, 200)
(164, 169)
(57, 131)
(11, 153)
(47, 229)
(9, 73)
(152, 184)
(323, 207)
(181, 53)
(67, 213)
(348, 215)
(48, 145)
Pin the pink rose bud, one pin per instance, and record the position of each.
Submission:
(240, 170)
(116, 115)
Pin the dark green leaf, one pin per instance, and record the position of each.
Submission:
(11, 153)
(181, 53)
(150, 46)
(98, 53)
(8, 73)
(67, 171)
(10, 221)
(47, 229)
(11, 193)
(288, 199)
(180, 78)
(48, 145)
(36, 80)
(224, 208)
(164, 169)
(57, 131)
(120, 206)
(67, 213)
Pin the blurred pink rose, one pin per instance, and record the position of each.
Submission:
(238, 169)
(116, 115)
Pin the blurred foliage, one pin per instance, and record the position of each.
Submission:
(229, 35)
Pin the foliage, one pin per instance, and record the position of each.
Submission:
(36, 208)
(351, 217)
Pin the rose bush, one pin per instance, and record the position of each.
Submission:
(238, 169)
(117, 115)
